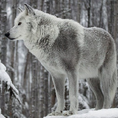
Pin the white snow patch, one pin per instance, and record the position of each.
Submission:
(87, 113)
(5, 78)
(1, 116)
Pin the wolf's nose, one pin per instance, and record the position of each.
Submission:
(7, 34)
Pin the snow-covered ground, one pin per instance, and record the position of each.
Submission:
(87, 113)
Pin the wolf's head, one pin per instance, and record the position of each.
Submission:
(25, 24)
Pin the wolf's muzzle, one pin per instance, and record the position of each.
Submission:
(7, 34)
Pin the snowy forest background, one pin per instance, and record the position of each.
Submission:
(30, 78)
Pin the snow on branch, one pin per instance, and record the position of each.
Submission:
(4, 77)
(87, 113)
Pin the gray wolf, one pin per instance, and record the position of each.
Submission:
(68, 50)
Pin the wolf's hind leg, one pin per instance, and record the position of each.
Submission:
(95, 86)
(108, 82)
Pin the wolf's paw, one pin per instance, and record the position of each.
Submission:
(58, 114)
(55, 114)
(68, 113)
(51, 114)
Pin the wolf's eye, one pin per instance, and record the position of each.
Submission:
(19, 23)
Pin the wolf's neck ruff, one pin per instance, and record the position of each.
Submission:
(43, 38)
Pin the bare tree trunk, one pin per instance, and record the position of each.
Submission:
(13, 43)
(89, 8)
(12, 46)
(115, 30)
(41, 92)
(3, 50)
(3, 30)
(115, 26)
(0, 49)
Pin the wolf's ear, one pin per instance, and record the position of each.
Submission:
(29, 10)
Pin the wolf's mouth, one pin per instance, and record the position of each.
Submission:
(14, 38)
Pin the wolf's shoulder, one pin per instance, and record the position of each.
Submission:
(49, 19)
(96, 30)
(69, 23)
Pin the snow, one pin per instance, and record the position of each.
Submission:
(5, 78)
(87, 113)
(1, 116)
(82, 99)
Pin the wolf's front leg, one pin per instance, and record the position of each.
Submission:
(73, 93)
(59, 88)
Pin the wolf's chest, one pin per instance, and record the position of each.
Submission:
(48, 60)
(34, 49)
(42, 55)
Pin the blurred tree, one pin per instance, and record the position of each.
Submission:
(3, 44)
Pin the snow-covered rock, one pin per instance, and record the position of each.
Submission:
(87, 113)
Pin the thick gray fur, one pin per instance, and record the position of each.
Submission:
(68, 50)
